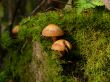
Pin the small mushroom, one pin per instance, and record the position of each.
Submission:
(10, 80)
(15, 29)
(61, 46)
(53, 31)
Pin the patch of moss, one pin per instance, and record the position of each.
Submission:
(90, 55)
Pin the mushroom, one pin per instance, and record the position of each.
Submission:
(10, 80)
(53, 31)
(61, 46)
(15, 29)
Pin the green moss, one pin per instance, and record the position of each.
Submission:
(6, 40)
(90, 55)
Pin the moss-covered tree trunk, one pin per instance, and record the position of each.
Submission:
(37, 62)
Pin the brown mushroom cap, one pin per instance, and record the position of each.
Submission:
(15, 29)
(52, 30)
(61, 45)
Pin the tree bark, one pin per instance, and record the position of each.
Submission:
(10, 10)
(107, 4)
(36, 66)
(68, 6)
(0, 42)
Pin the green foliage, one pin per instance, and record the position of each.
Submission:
(6, 40)
(2, 76)
(97, 2)
(85, 4)
(17, 59)
(16, 64)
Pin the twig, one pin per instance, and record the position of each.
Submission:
(44, 1)
(0, 36)
(38, 7)
(24, 45)
(59, 1)
(51, 8)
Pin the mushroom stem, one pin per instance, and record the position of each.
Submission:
(54, 39)
(61, 53)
